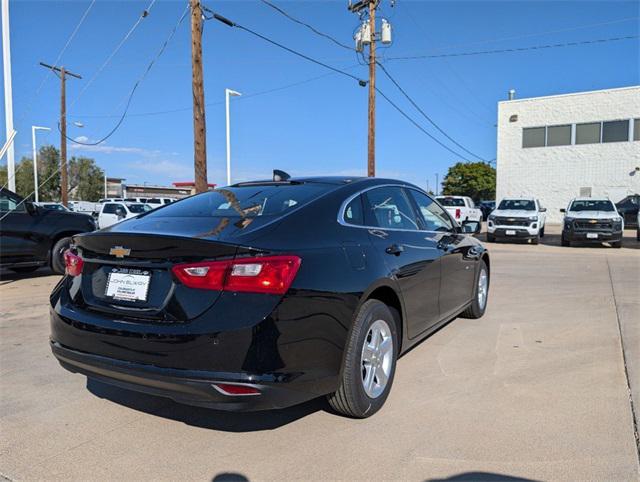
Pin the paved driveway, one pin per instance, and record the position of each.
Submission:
(537, 389)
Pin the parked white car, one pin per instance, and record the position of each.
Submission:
(50, 206)
(112, 213)
(156, 202)
(522, 218)
(592, 221)
(86, 207)
(111, 200)
(142, 200)
(462, 208)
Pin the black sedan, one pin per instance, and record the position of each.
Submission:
(266, 294)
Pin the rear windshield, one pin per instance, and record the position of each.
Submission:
(519, 204)
(244, 201)
(138, 208)
(451, 201)
(591, 206)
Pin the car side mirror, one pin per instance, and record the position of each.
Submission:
(120, 213)
(563, 210)
(470, 227)
(31, 208)
(543, 210)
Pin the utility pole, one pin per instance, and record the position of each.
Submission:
(367, 35)
(437, 184)
(62, 73)
(8, 97)
(197, 85)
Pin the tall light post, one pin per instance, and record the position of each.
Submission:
(35, 156)
(8, 97)
(228, 93)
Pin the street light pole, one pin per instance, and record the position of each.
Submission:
(228, 93)
(8, 98)
(35, 156)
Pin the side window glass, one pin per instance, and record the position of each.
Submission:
(353, 213)
(8, 204)
(435, 218)
(110, 209)
(388, 207)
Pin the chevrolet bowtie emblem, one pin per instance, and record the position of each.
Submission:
(593, 221)
(119, 251)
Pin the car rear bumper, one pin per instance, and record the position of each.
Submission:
(191, 387)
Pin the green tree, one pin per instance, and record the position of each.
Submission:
(85, 177)
(474, 179)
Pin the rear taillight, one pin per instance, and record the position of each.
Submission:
(272, 274)
(72, 263)
(458, 213)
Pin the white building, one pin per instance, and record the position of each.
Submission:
(563, 146)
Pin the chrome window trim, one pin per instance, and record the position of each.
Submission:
(346, 202)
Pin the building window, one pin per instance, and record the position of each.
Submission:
(636, 129)
(588, 133)
(559, 135)
(615, 131)
(533, 137)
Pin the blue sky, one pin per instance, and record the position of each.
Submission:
(317, 127)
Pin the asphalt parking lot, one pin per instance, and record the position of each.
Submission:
(540, 388)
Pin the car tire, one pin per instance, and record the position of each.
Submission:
(358, 395)
(479, 304)
(638, 235)
(616, 244)
(542, 232)
(536, 239)
(564, 242)
(57, 255)
(24, 269)
(491, 238)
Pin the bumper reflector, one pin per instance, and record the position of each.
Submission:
(235, 390)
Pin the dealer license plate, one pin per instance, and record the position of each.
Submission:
(510, 232)
(128, 285)
(592, 235)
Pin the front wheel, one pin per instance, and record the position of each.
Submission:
(542, 232)
(369, 363)
(57, 255)
(491, 238)
(480, 293)
(564, 241)
(616, 244)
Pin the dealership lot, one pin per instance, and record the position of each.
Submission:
(536, 389)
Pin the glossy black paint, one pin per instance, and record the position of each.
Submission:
(628, 209)
(290, 346)
(28, 233)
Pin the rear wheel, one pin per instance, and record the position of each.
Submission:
(57, 255)
(369, 362)
(480, 294)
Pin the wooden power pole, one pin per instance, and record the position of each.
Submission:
(64, 181)
(371, 139)
(199, 124)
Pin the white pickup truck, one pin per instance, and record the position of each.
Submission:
(521, 218)
(589, 220)
(114, 212)
(462, 209)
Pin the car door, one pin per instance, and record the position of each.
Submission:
(458, 257)
(409, 253)
(18, 238)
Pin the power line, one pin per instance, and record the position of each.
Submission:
(516, 49)
(142, 16)
(135, 86)
(229, 23)
(310, 27)
(422, 129)
(424, 114)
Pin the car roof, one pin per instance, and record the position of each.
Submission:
(591, 199)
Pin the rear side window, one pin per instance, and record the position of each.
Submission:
(245, 201)
(451, 201)
(110, 208)
(435, 218)
(388, 207)
(353, 212)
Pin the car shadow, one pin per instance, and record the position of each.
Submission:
(481, 477)
(7, 276)
(204, 417)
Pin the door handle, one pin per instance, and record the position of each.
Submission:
(395, 249)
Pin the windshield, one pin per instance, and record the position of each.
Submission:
(517, 204)
(589, 205)
(451, 201)
(138, 208)
(244, 201)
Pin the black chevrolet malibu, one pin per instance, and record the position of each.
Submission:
(266, 294)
